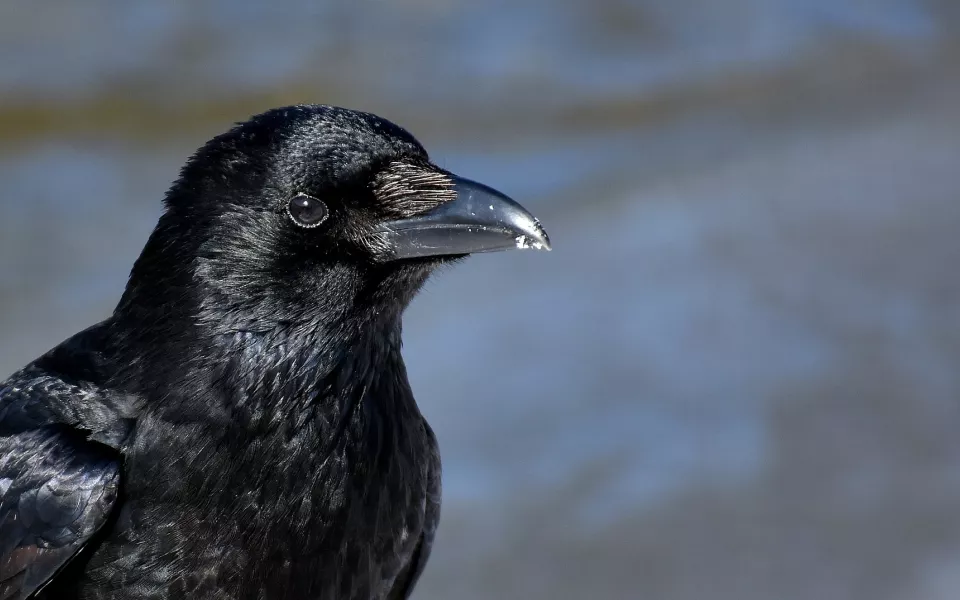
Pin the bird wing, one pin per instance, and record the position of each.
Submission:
(61, 432)
(57, 489)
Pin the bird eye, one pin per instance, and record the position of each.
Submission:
(307, 211)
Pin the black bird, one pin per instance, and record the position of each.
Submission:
(242, 426)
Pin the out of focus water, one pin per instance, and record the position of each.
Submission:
(736, 376)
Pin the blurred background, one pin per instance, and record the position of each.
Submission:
(735, 377)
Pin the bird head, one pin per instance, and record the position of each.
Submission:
(311, 212)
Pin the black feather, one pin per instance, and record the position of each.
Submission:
(242, 426)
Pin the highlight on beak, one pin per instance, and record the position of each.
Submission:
(479, 219)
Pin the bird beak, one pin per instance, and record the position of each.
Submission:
(480, 219)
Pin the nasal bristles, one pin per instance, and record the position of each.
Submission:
(405, 189)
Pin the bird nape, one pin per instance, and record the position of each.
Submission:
(242, 426)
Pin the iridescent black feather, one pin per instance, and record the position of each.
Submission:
(242, 426)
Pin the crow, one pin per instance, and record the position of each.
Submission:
(242, 426)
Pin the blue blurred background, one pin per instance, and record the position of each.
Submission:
(735, 377)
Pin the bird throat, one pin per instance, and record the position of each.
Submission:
(283, 381)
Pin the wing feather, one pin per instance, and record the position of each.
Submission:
(57, 490)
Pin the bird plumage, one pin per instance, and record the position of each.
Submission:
(242, 426)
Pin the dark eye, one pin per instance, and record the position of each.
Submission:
(307, 211)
